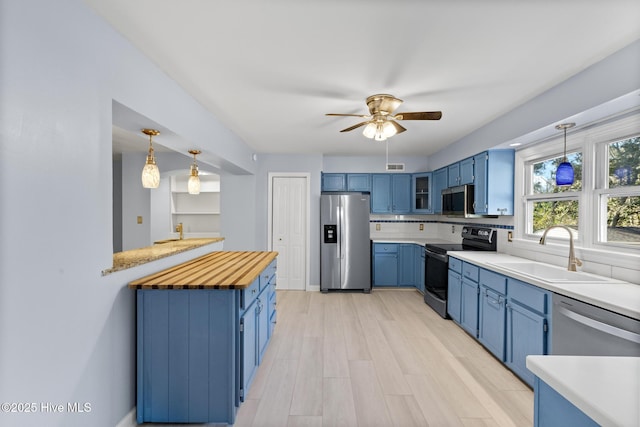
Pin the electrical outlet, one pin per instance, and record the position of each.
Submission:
(378, 227)
(421, 227)
(509, 236)
(139, 219)
(453, 229)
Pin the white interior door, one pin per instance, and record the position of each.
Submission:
(289, 230)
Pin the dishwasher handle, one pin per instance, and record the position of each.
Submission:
(603, 327)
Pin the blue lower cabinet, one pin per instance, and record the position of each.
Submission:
(491, 331)
(198, 350)
(186, 359)
(551, 409)
(419, 256)
(469, 306)
(385, 269)
(454, 293)
(526, 335)
(407, 262)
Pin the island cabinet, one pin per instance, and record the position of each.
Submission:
(202, 329)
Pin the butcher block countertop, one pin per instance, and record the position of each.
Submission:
(216, 270)
(162, 249)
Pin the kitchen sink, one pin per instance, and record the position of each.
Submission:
(550, 273)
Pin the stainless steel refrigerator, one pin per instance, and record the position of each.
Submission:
(345, 247)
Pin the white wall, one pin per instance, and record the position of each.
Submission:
(373, 164)
(67, 333)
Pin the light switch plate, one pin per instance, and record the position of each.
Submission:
(139, 219)
(421, 227)
(377, 227)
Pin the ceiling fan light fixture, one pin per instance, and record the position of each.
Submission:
(370, 130)
(389, 129)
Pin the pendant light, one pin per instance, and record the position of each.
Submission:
(194, 180)
(564, 173)
(150, 172)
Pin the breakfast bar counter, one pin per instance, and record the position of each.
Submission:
(216, 270)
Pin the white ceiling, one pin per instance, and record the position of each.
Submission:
(270, 70)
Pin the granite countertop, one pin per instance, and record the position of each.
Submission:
(215, 270)
(607, 389)
(611, 294)
(163, 248)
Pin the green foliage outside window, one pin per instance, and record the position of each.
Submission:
(623, 213)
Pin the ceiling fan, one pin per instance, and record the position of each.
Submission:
(381, 120)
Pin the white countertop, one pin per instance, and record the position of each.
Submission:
(607, 389)
(616, 295)
(414, 240)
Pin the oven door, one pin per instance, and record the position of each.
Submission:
(436, 281)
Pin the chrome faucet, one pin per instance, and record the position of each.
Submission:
(179, 230)
(573, 261)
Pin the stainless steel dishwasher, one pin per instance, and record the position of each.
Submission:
(583, 329)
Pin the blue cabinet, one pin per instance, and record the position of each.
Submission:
(385, 264)
(454, 295)
(334, 182)
(453, 175)
(551, 409)
(491, 328)
(420, 258)
(462, 295)
(439, 184)
(398, 264)
(359, 182)
(346, 182)
(198, 350)
(390, 193)
(469, 306)
(421, 189)
(406, 264)
(528, 312)
(494, 175)
(467, 171)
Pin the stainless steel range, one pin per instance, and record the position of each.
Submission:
(437, 263)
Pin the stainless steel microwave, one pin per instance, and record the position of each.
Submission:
(457, 201)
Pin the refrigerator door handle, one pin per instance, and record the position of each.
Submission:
(339, 228)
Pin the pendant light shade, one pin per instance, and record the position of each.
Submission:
(193, 186)
(564, 173)
(150, 172)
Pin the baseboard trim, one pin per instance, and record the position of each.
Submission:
(129, 420)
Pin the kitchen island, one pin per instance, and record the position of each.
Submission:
(586, 391)
(202, 329)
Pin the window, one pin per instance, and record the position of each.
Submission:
(549, 204)
(602, 206)
(619, 200)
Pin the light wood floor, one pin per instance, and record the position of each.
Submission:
(379, 359)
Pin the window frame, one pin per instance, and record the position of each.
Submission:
(592, 140)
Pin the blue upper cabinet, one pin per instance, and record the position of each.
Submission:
(494, 174)
(467, 171)
(421, 189)
(439, 184)
(401, 193)
(453, 175)
(334, 182)
(390, 193)
(359, 182)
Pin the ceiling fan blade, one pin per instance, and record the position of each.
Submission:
(355, 126)
(348, 115)
(422, 115)
(399, 128)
